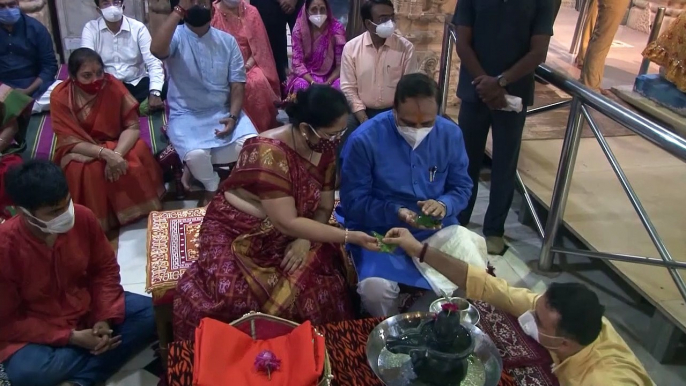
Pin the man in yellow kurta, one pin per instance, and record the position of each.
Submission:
(567, 319)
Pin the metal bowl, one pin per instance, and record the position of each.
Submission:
(398, 372)
(468, 313)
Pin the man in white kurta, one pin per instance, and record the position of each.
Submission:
(206, 83)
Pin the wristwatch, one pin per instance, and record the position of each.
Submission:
(502, 81)
(155, 93)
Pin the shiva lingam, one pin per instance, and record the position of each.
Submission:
(438, 348)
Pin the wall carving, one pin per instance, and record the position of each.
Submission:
(421, 22)
(38, 9)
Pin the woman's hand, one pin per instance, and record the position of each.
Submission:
(405, 240)
(116, 165)
(296, 256)
(364, 240)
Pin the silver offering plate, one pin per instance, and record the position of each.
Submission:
(396, 369)
(468, 313)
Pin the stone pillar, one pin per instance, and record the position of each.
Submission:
(421, 22)
(642, 13)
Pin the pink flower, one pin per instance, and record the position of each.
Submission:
(450, 307)
(267, 362)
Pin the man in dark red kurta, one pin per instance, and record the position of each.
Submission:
(64, 317)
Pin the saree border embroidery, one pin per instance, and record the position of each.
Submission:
(173, 239)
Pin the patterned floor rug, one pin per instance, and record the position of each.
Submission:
(526, 363)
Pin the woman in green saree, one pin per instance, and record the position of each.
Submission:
(15, 112)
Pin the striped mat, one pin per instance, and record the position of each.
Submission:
(41, 141)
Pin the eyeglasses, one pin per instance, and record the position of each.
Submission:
(11, 4)
(329, 137)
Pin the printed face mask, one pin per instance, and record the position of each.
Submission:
(317, 20)
(112, 14)
(324, 145)
(60, 224)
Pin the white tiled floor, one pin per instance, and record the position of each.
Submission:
(131, 256)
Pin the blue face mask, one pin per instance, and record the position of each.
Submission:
(9, 16)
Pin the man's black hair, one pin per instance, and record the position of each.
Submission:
(36, 184)
(97, 2)
(580, 311)
(416, 85)
(366, 8)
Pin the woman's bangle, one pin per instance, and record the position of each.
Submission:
(423, 253)
(118, 153)
(100, 152)
(345, 240)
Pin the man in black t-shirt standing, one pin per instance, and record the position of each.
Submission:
(500, 44)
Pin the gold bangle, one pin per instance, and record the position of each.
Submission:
(100, 152)
(118, 153)
(345, 240)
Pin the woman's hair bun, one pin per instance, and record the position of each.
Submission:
(296, 106)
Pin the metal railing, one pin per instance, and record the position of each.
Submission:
(583, 99)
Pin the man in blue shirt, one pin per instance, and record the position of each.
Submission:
(27, 59)
(396, 166)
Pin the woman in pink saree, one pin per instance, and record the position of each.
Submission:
(262, 89)
(318, 40)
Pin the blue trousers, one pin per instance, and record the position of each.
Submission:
(40, 365)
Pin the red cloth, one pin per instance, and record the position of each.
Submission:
(225, 355)
(262, 87)
(46, 292)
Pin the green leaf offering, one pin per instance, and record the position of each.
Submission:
(427, 221)
(388, 248)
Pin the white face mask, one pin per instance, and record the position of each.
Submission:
(232, 3)
(527, 321)
(317, 20)
(60, 224)
(385, 30)
(112, 14)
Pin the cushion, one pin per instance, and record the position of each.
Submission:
(173, 243)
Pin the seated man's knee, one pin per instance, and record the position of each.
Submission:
(199, 162)
(38, 365)
(379, 296)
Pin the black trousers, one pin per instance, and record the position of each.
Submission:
(475, 120)
(141, 91)
(275, 21)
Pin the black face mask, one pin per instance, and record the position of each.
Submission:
(198, 16)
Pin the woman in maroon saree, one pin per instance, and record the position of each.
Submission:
(265, 242)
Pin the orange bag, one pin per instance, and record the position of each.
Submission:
(225, 355)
